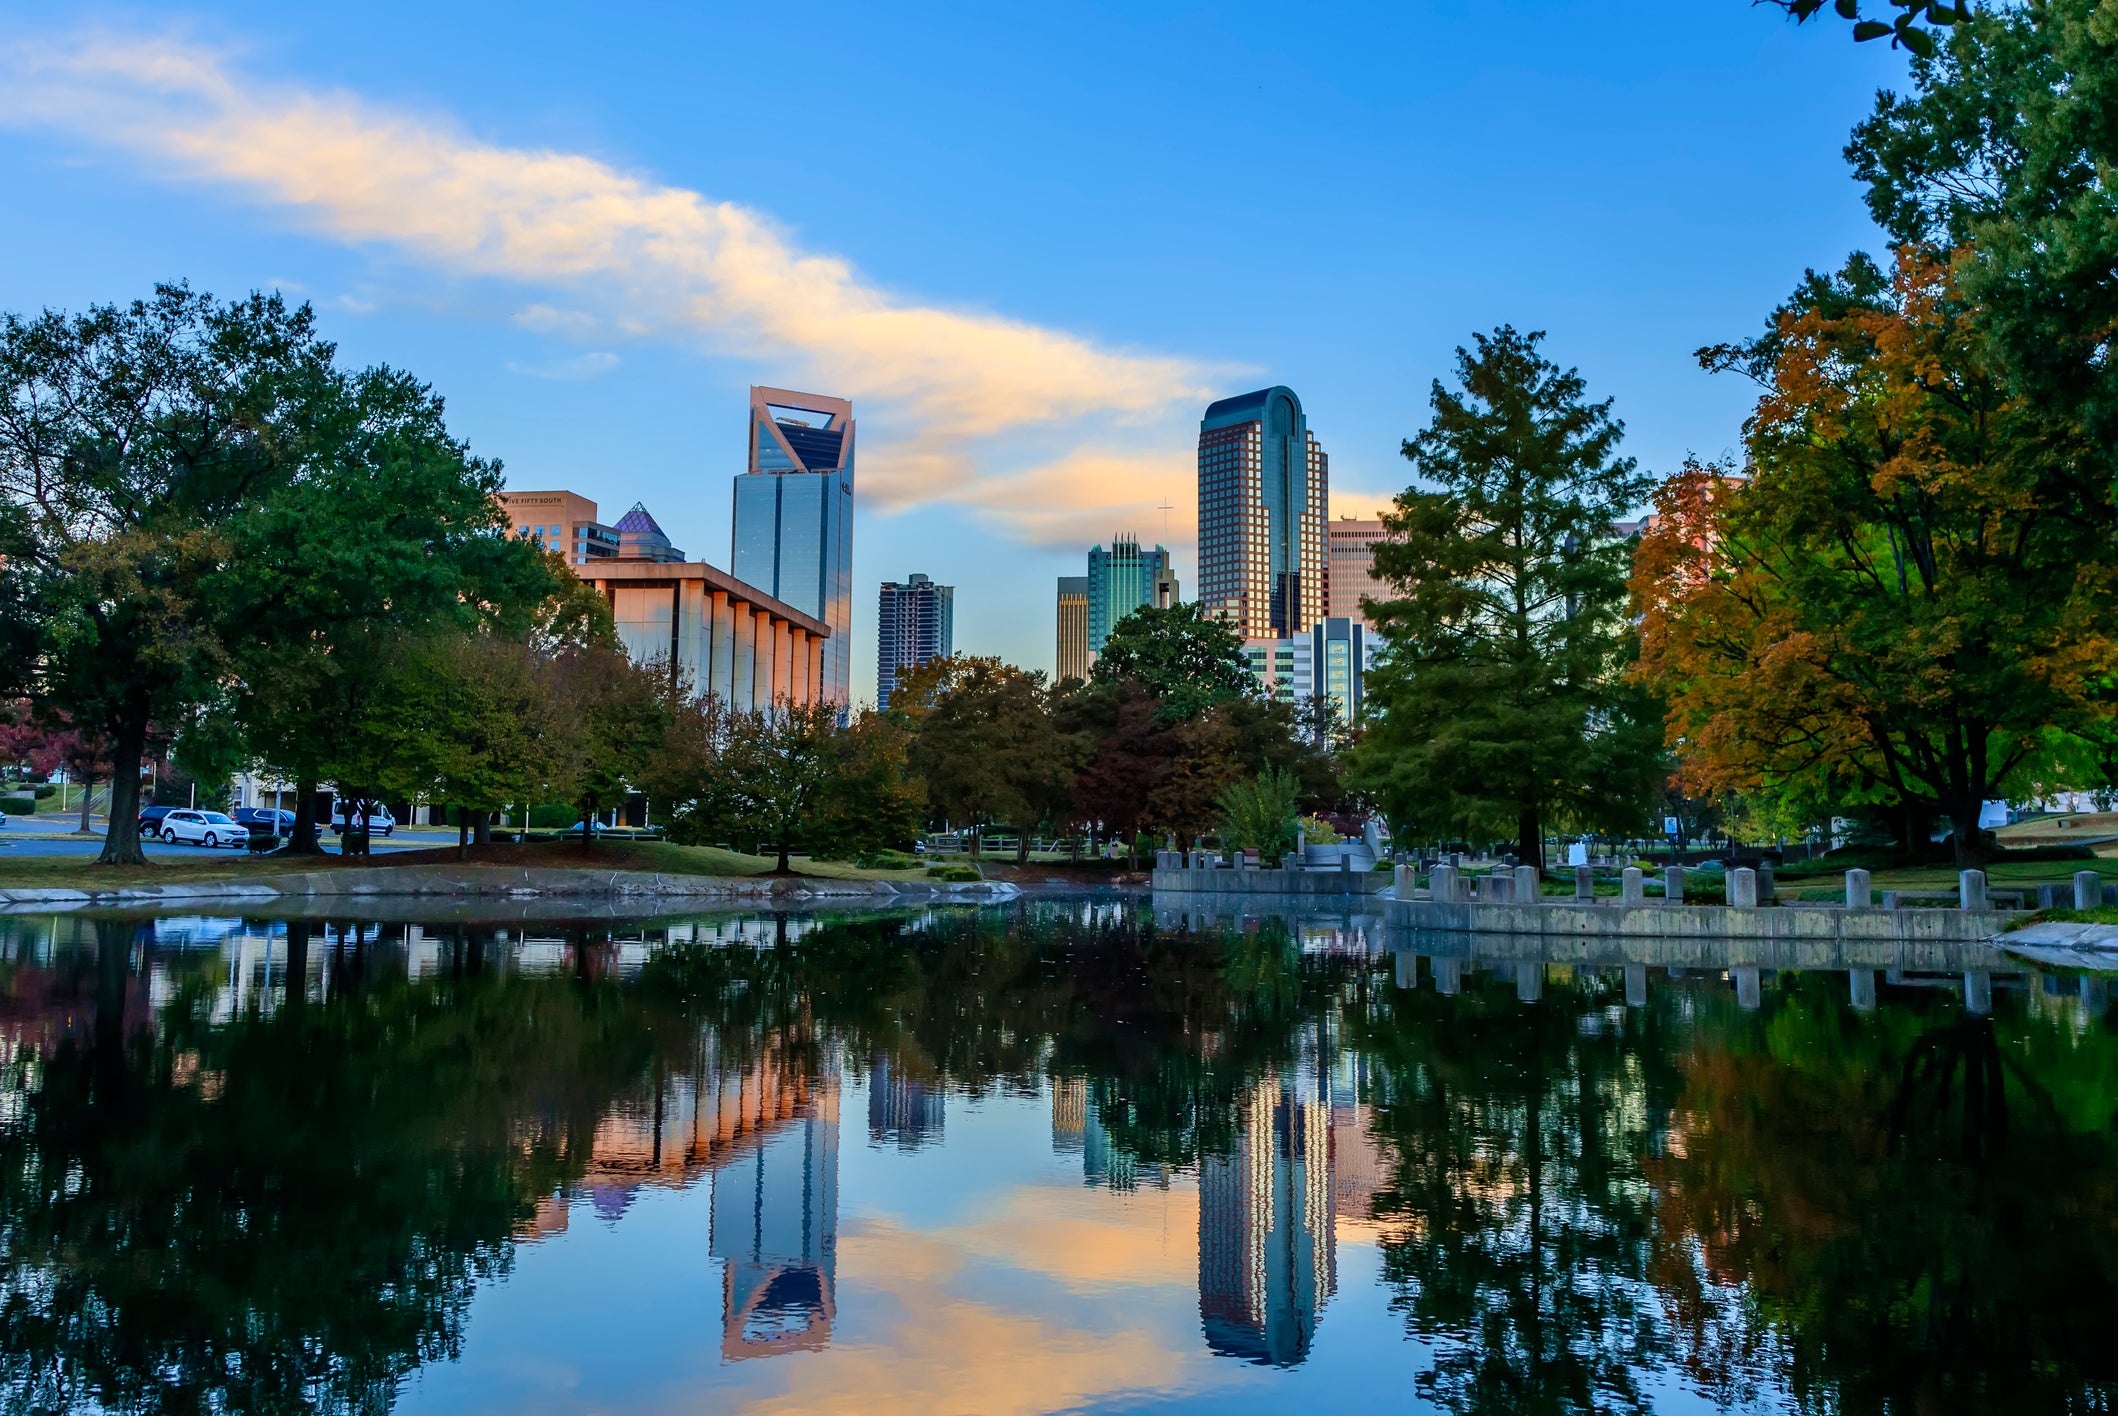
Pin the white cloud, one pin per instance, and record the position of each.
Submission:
(943, 394)
(591, 365)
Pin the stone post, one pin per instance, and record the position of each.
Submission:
(1499, 888)
(1971, 890)
(1584, 882)
(1634, 889)
(1529, 888)
(1743, 888)
(2088, 890)
(1529, 982)
(1859, 896)
(1889, 899)
(1441, 884)
(1673, 884)
(1749, 990)
(1404, 879)
(1448, 976)
(1863, 989)
(1978, 992)
(1636, 985)
(1767, 894)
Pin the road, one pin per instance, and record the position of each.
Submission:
(28, 835)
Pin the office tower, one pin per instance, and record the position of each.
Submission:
(793, 535)
(915, 622)
(561, 521)
(1267, 1233)
(1350, 567)
(1121, 580)
(641, 538)
(1264, 490)
(1330, 658)
(1073, 628)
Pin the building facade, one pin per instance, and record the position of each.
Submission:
(640, 537)
(1264, 494)
(1349, 567)
(730, 638)
(564, 522)
(793, 530)
(1329, 660)
(1121, 580)
(1073, 629)
(915, 622)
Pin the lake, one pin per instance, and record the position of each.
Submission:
(1061, 1154)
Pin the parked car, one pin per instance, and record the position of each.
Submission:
(204, 828)
(380, 822)
(151, 819)
(279, 823)
(594, 828)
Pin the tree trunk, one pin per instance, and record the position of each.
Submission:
(977, 842)
(303, 841)
(1967, 837)
(121, 838)
(482, 828)
(1022, 848)
(783, 868)
(1529, 838)
(463, 831)
(588, 823)
(88, 791)
(297, 984)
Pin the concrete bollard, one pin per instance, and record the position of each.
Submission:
(1978, 992)
(1529, 982)
(1863, 981)
(1636, 985)
(2088, 890)
(1673, 884)
(1971, 890)
(1743, 888)
(1528, 885)
(1403, 878)
(1498, 888)
(1584, 882)
(1768, 893)
(1749, 988)
(1859, 892)
(1633, 890)
(1448, 977)
(1889, 899)
(1407, 967)
(1441, 885)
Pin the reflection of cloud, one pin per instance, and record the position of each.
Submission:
(951, 1354)
(1089, 1239)
(592, 365)
(635, 257)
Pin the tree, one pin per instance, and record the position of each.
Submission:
(1188, 660)
(780, 763)
(1907, 30)
(1911, 589)
(614, 715)
(1260, 815)
(986, 744)
(135, 442)
(872, 802)
(485, 701)
(1499, 695)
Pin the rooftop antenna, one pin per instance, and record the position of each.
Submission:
(1165, 508)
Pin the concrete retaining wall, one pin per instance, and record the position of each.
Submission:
(1304, 883)
(1567, 919)
(470, 882)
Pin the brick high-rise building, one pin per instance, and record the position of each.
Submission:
(1073, 628)
(1264, 493)
(1350, 565)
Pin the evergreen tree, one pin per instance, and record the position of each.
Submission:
(1499, 699)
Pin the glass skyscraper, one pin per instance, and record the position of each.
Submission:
(1121, 580)
(1264, 492)
(794, 517)
(914, 622)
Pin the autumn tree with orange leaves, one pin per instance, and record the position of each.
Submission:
(1912, 589)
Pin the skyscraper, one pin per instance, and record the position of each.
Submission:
(1350, 567)
(1073, 628)
(793, 535)
(1121, 580)
(1264, 491)
(915, 622)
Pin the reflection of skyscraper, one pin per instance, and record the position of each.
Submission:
(902, 1111)
(793, 535)
(775, 1229)
(1267, 1246)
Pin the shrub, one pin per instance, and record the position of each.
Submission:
(889, 860)
(18, 805)
(553, 817)
(954, 874)
(44, 791)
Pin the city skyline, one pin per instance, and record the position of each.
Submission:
(1030, 314)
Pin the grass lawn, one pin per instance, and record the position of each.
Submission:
(27, 872)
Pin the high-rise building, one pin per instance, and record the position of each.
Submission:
(915, 622)
(1267, 1234)
(641, 538)
(1121, 580)
(1350, 567)
(564, 522)
(1329, 659)
(1264, 493)
(1073, 628)
(793, 535)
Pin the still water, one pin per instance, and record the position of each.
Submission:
(1049, 1156)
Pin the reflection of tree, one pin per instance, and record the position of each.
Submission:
(288, 1212)
(1518, 1215)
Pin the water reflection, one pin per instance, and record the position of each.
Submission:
(268, 1164)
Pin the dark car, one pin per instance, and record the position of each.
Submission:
(151, 819)
(279, 823)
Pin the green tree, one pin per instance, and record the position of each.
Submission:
(781, 762)
(986, 744)
(1260, 815)
(1187, 659)
(1499, 697)
(1912, 28)
(615, 714)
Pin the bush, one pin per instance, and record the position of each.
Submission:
(954, 874)
(889, 860)
(553, 817)
(18, 805)
(44, 791)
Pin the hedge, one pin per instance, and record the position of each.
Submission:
(18, 805)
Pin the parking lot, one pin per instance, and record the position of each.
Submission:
(52, 835)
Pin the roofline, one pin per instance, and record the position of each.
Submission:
(625, 571)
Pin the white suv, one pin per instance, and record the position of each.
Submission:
(380, 822)
(204, 828)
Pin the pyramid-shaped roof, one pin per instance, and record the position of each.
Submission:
(637, 520)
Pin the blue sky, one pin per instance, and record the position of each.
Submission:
(1029, 243)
